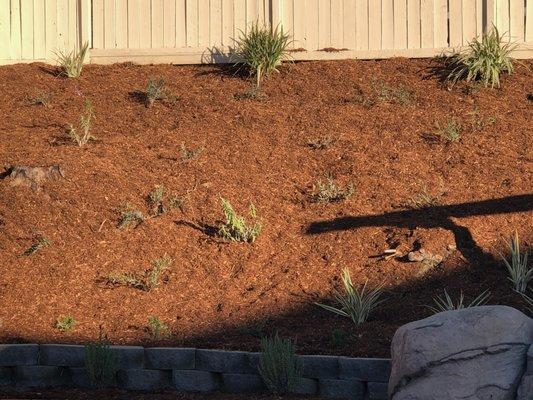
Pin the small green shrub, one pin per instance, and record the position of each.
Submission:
(40, 98)
(189, 154)
(159, 266)
(235, 228)
(278, 365)
(37, 245)
(329, 192)
(262, 50)
(424, 198)
(483, 60)
(156, 198)
(157, 329)
(520, 273)
(149, 280)
(130, 215)
(85, 124)
(126, 279)
(321, 143)
(101, 364)
(155, 90)
(386, 92)
(356, 304)
(449, 131)
(65, 323)
(446, 303)
(71, 63)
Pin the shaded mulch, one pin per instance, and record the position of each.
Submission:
(228, 295)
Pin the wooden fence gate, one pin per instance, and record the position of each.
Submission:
(194, 31)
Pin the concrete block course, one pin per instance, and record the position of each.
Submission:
(196, 381)
(364, 369)
(144, 379)
(129, 357)
(6, 374)
(40, 376)
(306, 386)
(234, 362)
(342, 389)
(323, 367)
(62, 355)
(12, 355)
(377, 391)
(242, 383)
(169, 358)
(79, 378)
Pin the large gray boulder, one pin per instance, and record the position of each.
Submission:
(478, 353)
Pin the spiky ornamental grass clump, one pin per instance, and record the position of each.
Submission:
(278, 365)
(71, 63)
(235, 228)
(101, 363)
(356, 304)
(261, 50)
(446, 303)
(520, 273)
(483, 60)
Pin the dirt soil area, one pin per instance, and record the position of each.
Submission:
(372, 124)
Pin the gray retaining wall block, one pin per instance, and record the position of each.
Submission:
(40, 376)
(231, 362)
(12, 355)
(129, 357)
(6, 375)
(342, 389)
(144, 379)
(242, 383)
(306, 386)
(169, 358)
(377, 390)
(322, 367)
(364, 369)
(62, 355)
(196, 381)
(79, 378)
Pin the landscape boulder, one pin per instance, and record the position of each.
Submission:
(476, 353)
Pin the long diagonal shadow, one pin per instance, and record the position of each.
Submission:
(434, 217)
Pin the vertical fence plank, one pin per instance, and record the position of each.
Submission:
(121, 24)
(215, 23)
(348, 23)
(203, 23)
(502, 17)
(109, 23)
(134, 24)
(73, 22)
(299, 12)
(97, 25)
(413, 24)
(440, 36)
(374, 25)
(336, 24)
(157, 23)
(469, 20)
(15, 44)
(311, 23)
(169, 23)
(400, 24)
(227, 23)
(39, 30)
(361, 24)
(26, 23)
(5, 29)
(456, 23)
(516, 20)
(239, 17)
(181, 33)
(145, 24)
(287, 16)
(427, 26)
(324, 24)
(529, 22)
(192, 22)
(387, 24)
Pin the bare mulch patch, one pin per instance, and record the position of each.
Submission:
(411, 191)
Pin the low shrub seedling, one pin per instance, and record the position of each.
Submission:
(235, 227)
(130, 215)
(329, 192)
(189, 154)
(101, 363)
(83, 137)
(156, 89)
(37, 245)
(157, 329)
(356, 304)
(40, 98)
(71, 63)
(449, 131)
(386, 92)
(261, 50)
(425, 199)
(149, 280)
(278, 365)
(156, 198)
(159, 266)
(483, 60)
(65, 323)
(518, 269)
(446, 303)
(321, 143)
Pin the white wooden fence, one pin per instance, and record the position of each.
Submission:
(193, 31)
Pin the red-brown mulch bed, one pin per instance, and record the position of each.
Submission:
(227, 295)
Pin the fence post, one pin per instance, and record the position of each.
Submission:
(84, 22)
